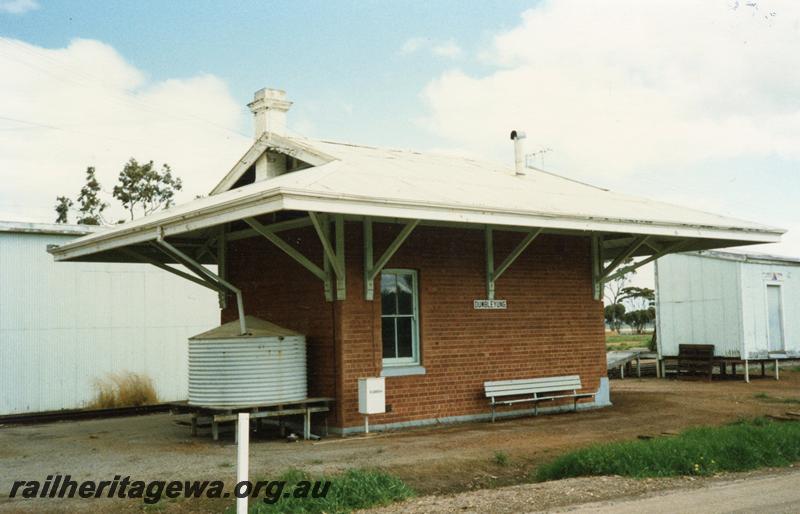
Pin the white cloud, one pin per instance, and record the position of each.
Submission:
(413, 44)
(617, 87)
(18, 6)
(65, 109)
(448, 49)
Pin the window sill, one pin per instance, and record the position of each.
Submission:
(402, 371)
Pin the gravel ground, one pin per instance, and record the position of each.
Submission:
(437, 460)
(567, 494)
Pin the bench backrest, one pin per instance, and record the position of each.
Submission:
(534, 386)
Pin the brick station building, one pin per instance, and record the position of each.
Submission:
(436, 272)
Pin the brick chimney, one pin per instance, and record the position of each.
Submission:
(269, 108)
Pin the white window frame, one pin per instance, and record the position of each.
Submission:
(414, 360)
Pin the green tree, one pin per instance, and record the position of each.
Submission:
(63, 205)
(140, 188)
(613, 295)
(640, 297)
(639, 318)
(643, 312)
(90, 206)
(144, 188)
(614, 315)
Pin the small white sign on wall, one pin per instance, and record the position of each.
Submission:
(773, 276)
(490, 304)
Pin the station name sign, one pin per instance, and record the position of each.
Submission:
(490, 304)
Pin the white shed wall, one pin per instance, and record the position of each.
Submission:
(698, 301)
(64, 325)
(755, 278)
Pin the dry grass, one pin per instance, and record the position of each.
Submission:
(123, 390)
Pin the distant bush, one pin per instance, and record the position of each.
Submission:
(123, 390)
(699, 451)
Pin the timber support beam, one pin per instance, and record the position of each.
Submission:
(371, 270)
(334, 263)
(492, 273)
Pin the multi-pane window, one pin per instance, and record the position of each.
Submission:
(399, 318)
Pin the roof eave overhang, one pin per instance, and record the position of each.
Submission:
(284, 199)
(467, 215)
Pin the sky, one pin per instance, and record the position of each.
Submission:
(694, 103)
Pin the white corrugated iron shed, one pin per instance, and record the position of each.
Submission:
(63, 326)
(746, 304)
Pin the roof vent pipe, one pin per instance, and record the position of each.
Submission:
(269, 107)
(519, 151)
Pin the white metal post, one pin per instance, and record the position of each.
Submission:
(746, 371)
(777, 372)
(242, 456)
(366, 424)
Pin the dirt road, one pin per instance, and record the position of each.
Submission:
(772, 490)
(774, 494)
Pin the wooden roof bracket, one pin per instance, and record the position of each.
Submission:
(597, 266)
(492, 273)
(672, 248)
(371, 270)
(334, 264)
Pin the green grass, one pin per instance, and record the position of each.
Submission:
(774, 399)
(501, 458)
(739, 446)
(627, 341)
(352, 490)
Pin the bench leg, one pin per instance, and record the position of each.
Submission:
(535, 408)
(492, 413)
(194, 425)
(214, 430)
(575, 404)
(777, 367)
(747, 371)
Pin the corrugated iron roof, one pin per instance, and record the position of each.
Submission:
(367, 181)
(26, 227)
(760, 258)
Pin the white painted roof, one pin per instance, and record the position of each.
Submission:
(379, 182)
(759, 258)
(28, 227)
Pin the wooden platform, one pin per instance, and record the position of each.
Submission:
(623, 358)
(229, 414)
(722, 364)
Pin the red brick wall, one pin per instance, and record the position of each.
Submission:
(552, 325)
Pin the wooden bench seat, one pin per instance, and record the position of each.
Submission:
(534, 390)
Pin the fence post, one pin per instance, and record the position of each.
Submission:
(242, 457)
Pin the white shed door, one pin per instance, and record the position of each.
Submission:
(775, 314)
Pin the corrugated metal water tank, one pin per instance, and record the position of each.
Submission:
(268, 365)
